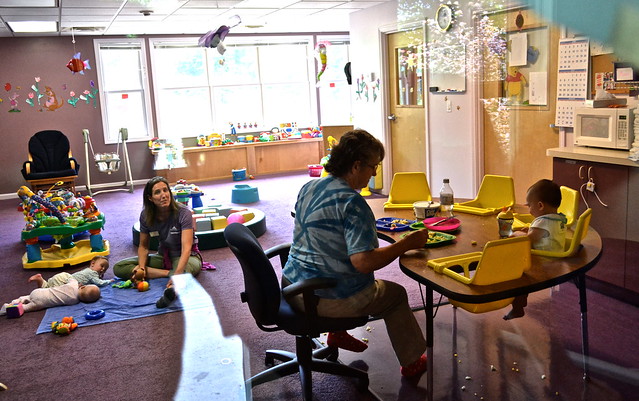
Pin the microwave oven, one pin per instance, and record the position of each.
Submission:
(611, 128)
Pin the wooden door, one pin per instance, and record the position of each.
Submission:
(406, 109)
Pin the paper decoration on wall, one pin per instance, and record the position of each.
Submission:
(375, 89)
(77, 65)
(215, 38)
(7, 86)
(51, 102)
(35, 94)
(73, 99)
(320, 49)
(14, 103)
(362, 88)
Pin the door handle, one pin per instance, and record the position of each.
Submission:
(392, 117)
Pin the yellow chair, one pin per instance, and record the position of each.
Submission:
(406, 189)
(495, 193)
(572, 243)
(569, 207)
(501, 260)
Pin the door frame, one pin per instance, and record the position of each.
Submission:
(383, 32)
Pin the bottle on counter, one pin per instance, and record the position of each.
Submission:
(505, 219)
(446, 199)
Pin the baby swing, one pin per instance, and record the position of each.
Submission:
(109, 162)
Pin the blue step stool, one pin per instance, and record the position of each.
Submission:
(244, 193)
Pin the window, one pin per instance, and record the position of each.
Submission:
(124, 94)
(334, 91)
(198, 91)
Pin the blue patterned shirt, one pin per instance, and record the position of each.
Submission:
(332, 222)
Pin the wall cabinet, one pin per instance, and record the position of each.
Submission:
(615, 216)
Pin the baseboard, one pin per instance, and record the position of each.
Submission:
(83, 188)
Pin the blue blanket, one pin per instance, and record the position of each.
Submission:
(124, 304)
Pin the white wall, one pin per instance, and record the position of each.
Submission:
(451, 135)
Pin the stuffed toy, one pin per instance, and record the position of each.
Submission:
(64, 327)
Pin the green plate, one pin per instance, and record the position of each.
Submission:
(437, 239)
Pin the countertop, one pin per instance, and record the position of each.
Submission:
(610, 156)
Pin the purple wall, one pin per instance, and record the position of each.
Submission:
(23, 59)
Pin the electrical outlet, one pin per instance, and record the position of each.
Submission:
(590, 186)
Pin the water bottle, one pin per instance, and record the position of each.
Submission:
(446, 199)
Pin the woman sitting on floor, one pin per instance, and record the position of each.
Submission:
(172, 223)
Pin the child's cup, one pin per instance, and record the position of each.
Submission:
(505, 221)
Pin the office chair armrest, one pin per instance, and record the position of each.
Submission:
(280, 250)
(307, 289)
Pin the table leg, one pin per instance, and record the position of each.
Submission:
(429, 341)
(581, 284)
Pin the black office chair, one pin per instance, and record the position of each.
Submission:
(50, 161)
(270, 309)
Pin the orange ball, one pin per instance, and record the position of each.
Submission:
(143, 286)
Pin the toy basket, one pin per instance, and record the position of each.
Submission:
(107, 162)
(315, 170)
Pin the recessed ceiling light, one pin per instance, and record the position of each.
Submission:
(33, 26)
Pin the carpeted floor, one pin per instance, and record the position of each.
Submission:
(186, 357)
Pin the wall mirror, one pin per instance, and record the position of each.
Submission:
(447, 68)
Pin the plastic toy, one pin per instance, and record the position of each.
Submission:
(235, 218)
(94, 314)
(64, 327)
(15, 311)
(143, 286)
(123, 284)
(60, 214)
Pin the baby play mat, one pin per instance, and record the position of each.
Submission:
(128, 303)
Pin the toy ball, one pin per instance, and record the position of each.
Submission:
(251, 177)
(235, 218)
(143, 286)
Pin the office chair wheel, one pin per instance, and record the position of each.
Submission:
(333, 355)
(362, 384)
(269, 361)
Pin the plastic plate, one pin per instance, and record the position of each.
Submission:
(449, 225)
(393, 224)
(438, 239)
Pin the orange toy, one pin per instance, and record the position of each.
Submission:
(64, 327)
(143, 286)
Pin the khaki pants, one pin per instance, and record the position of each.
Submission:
(386, 300)
(124, 268)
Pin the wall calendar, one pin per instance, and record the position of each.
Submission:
(572, 78)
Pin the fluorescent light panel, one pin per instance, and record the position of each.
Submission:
(29, 3)
(33, 26)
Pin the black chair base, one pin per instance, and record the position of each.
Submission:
(323, 360)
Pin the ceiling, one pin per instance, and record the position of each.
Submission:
(124, 17)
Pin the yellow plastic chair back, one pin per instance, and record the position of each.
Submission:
(572, 243)
(569, 207)
(495, 193)
(501, 260)
(406, 189)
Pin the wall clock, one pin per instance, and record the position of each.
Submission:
(444, 17)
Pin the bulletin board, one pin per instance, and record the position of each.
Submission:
(517, 43)
(526, 82)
